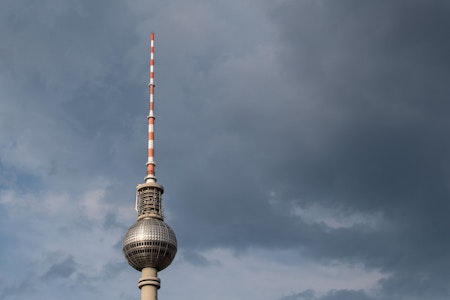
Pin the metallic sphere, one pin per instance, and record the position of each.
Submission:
(150, 243)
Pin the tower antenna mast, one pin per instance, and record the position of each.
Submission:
(151, 116)
(150, 244)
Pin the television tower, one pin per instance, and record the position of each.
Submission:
(150, 244)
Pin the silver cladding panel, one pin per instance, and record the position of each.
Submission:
(150, 243)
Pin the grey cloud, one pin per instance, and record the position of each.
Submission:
(346, 295)
(305, 295)
(62, 269)
(332, 295)
(22, 288)
(113, 269)
(196, 259)
(111, 222)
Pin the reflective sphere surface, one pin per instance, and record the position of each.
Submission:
(150, 243)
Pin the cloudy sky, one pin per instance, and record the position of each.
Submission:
(303, 146)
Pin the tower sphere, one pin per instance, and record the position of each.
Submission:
(150, 243)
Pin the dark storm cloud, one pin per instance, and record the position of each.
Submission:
(72, 66)
(355, 121)
(384, 68)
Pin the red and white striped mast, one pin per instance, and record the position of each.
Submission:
(151, 116)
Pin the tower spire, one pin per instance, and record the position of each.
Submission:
(150, 244)
(151, 116)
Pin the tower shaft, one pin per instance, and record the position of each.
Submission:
(149, 284)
